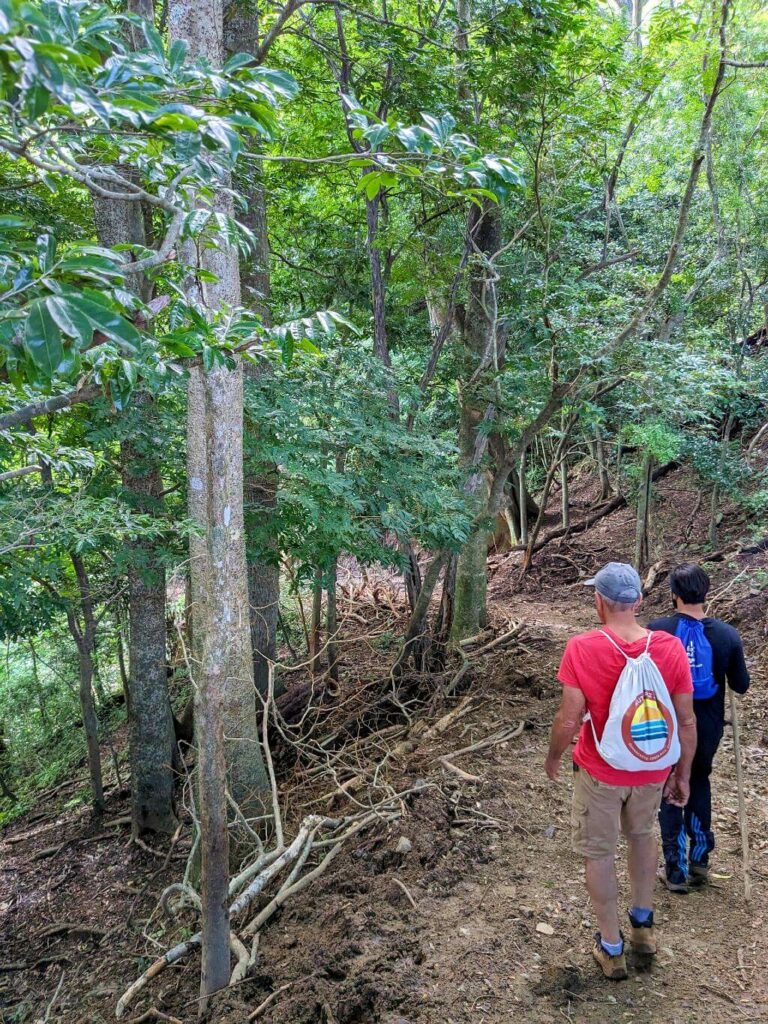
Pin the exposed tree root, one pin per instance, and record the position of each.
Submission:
(246, 887)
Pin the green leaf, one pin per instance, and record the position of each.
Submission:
(46, 251)
(237, 60)
(71, 320)
(195, 222)
(105, 320)
(42, 339)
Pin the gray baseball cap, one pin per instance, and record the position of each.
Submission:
(618, 582)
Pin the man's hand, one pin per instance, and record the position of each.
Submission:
(677, 790)
(552, 768)
(565, 726)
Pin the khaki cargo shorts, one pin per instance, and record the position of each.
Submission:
(598, 810)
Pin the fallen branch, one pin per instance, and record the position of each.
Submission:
(654, 572)
(154, 1014)
(64, 927)
(741, 549)
(498, 641)
(465, 776)
(503, 736)
(604, 510)
(279, 900)
(52, 1003)
(268, 1001)
(407, 892)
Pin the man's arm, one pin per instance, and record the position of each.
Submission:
(567, 721)
(677, 788)
(737, 671)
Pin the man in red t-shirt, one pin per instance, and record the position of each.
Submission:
(607, 799)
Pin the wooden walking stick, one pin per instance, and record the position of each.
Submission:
(740, 791)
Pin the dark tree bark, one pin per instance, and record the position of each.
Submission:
(242, 35)
(642, 540)
(149, 712)
(152, 739)
(83, 630)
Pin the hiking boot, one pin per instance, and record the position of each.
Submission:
(675, 880)
(698, 875)
(642, 935)
(613, 967)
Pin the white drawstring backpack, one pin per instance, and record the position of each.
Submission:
(641, 732)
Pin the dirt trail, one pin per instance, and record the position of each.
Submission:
(485, 960)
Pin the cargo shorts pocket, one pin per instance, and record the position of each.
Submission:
(595, 816)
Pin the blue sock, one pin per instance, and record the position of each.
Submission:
(612, 948)
(641, 914)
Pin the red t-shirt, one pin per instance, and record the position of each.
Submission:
(593, 665)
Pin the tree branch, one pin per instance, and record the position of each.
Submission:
(65, 401)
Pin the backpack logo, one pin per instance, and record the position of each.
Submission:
(647, 727)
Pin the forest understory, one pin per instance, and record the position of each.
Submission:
(469, 905)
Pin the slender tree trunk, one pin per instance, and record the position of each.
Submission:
(637, 23)
(262, 479)
(38, 686)
(565, 498)
(523, 501)
(85, 640)
(642, 544)
(418, 620)
(714, 510)
(123, 669)
(317, 614)
(152, 739)
(150, 719)
(556, 462)
(480, 342)
(331, 620)
(226, 721)
(602, 468)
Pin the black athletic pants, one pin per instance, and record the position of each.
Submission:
(686, 833)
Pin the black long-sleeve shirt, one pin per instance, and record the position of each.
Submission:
(728, 664)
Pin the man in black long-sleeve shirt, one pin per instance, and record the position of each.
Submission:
(687, 836)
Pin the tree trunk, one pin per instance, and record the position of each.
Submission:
(39, 694)
(152, 740)
(642, 545)
(378, 298)
(565, 499)
(714, 510)
(210, 700)
(226, 721)
(331, 620)
(637, 23)
(261, 480)
(602, 469)
(314, 629)
(418, 620)
(480, 342)
(150, 721)
(523, 501)
(85, 639)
